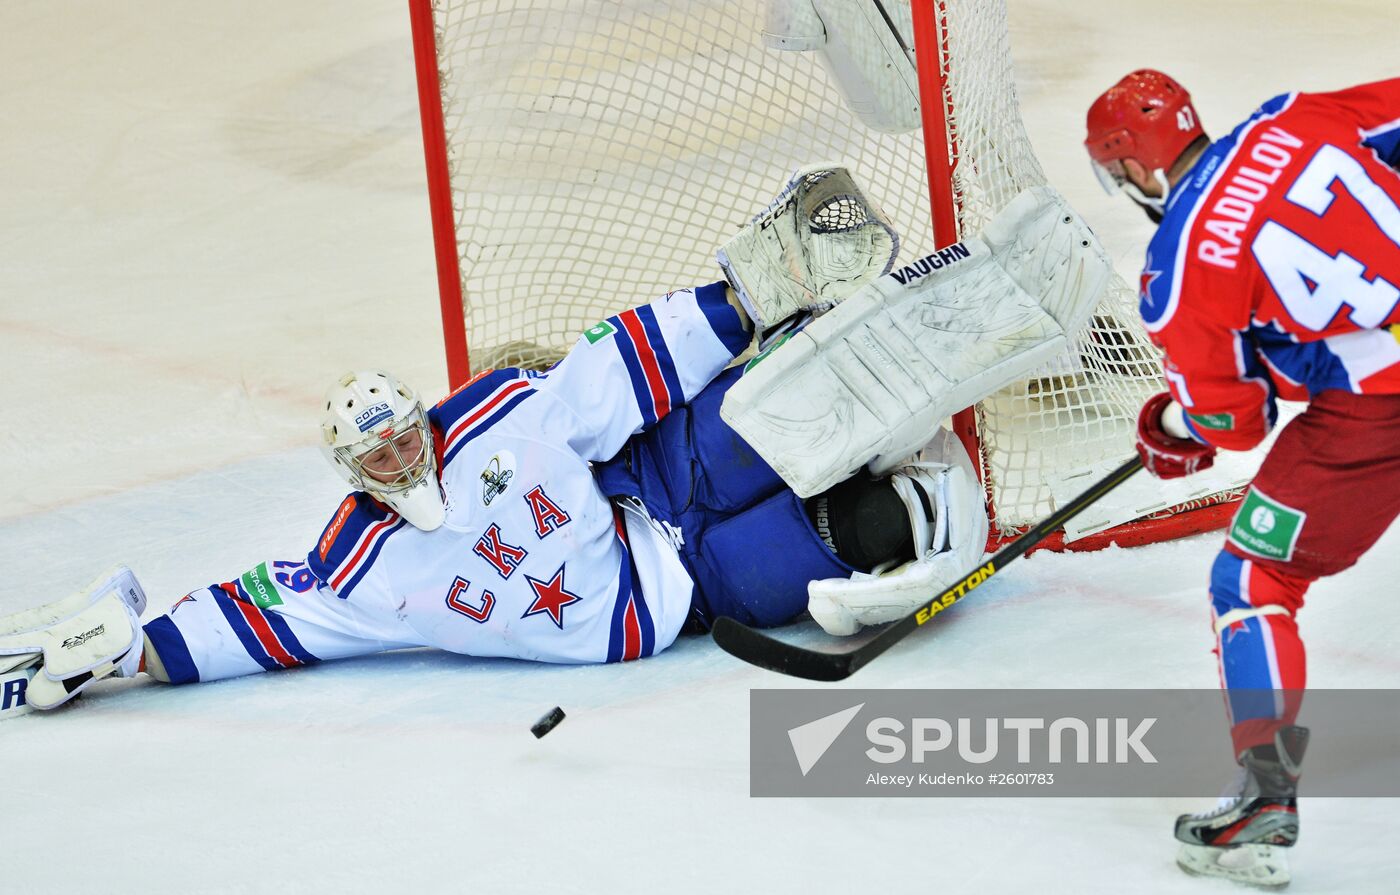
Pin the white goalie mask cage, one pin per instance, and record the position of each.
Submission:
(371, 415)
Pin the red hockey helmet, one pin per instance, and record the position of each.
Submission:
(1147, 116)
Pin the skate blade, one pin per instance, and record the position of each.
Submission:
(1264, 866)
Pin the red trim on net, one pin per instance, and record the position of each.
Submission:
(449, 272)
(1179, 524)
(941, 159)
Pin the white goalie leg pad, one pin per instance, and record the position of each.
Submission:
(843, 606)
(78, 640)
(1049, 251)
(866, 383)
(816, 244)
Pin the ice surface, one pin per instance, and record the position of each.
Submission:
(212, 210)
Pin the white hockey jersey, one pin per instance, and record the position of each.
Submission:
(533, 561)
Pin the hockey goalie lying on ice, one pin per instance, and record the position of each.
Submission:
(644, 485)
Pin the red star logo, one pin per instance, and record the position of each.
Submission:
(551, 598)
(1235, 627)
(1145, 281)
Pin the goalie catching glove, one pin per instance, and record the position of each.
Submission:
(816, 244)
(76, 641)
(944, 502)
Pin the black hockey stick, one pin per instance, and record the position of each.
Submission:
(759, 649)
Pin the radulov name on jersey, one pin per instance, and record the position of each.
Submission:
(1231, 213)
(929, 263)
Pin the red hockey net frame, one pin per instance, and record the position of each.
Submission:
(449, 269)
(941, 148)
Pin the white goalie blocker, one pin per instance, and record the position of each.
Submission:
(869, 383)
(51, 653)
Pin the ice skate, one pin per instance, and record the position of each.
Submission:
(1245, 838)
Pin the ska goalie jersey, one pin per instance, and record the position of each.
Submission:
(1276, 269)
(532, 562)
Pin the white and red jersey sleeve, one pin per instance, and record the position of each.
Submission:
(627, 372)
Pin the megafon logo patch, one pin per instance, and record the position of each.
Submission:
(811, 741)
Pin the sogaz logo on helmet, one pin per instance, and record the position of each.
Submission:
(368, 419)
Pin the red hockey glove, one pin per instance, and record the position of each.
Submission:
(1166, 456)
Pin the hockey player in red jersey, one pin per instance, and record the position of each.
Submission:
(1274, 274)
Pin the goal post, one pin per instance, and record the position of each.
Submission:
(585, 156)
(449, 270)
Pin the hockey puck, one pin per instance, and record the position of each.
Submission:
(548, 722)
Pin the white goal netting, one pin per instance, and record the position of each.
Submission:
(600, 150)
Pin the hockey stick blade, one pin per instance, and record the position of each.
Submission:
(759, 649)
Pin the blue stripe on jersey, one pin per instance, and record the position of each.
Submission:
(1192, 430)
(643, 613)
(641, 390)
(174, 653)
(462, 402)
(723, 317)
(616, 634)
(242, 630)
(629, 590)
(647, 314)
(1311, 363)
(283, 630)
(366, 513)
(368, 562)
(1255, 371)
(481, 427)
(1386, 144)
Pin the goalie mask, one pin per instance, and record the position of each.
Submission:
(377, 437)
